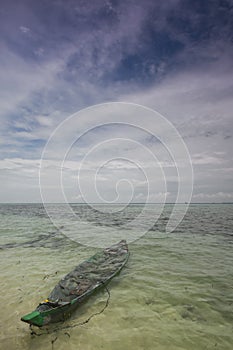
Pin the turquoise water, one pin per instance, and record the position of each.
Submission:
(176, 291)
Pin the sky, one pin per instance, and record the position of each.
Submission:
(61, 56)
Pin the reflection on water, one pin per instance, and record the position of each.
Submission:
(174, 293)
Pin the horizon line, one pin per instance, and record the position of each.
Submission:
(133, 203)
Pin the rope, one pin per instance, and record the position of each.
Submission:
(76, 324)
(90, 317)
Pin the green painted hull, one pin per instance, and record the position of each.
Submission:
(79, 284)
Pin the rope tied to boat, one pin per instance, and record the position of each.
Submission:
(34, 333)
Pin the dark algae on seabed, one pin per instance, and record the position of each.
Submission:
(79, 284)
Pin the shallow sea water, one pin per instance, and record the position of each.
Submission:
(176, 291)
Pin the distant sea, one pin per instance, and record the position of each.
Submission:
(176, 292)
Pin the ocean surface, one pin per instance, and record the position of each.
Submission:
(176, 291)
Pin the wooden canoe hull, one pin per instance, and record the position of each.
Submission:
(100, 269)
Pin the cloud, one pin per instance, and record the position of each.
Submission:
(59, 57)
(205, 159)
(213, 197)
(21, 80)
(18, 163)
(24, 29)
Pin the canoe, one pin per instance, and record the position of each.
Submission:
(79, 284)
